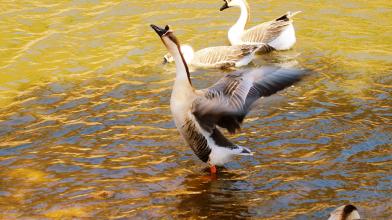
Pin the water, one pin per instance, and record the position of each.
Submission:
(85, 128)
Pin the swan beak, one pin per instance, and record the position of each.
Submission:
(224, 6)
(160, 31)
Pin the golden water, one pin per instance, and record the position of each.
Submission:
(84, 109)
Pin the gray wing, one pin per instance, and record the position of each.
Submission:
(268, 31)
(228, 101)
(223, 56)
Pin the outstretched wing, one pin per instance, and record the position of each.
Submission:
(228, 101)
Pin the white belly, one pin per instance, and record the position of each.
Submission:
(286, 39)
(219, 155)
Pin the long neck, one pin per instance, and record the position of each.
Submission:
(182, 71)
(238, 28)
(241, 22)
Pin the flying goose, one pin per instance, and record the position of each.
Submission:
(278, 33)
(198, 113)
(346, 212)
(221, 56)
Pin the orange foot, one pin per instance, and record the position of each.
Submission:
(213, 169)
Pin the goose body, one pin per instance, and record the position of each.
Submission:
(220, 56)
(278, 33)
(199, 113)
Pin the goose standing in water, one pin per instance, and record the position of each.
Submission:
(198, 113)
(346, 212)
(278, 33)
(221, 56)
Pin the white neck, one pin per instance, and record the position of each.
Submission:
(238, 28)
(181, 68)
(182, 73)
(183, 91)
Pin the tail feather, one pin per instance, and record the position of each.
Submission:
(292, 14)
(245, 151)
(288, 15)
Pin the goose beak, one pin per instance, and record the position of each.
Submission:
(165, 60)
(160, 31)
(224, 6)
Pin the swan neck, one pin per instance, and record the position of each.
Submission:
(238, 28)
(241, 22)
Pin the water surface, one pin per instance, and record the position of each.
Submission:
(86, 130)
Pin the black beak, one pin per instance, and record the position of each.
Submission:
(160, 31)
(164, 60)
(224, 6)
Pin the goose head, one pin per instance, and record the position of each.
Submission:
(168, 39)
(187, 52)
(234, 3)
(346, 212)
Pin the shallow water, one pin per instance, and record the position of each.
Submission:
(85, 128)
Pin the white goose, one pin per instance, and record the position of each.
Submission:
(278, 33)
(221, 56)
(346, 212)
(198, 113)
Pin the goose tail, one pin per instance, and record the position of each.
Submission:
(292, 14)
(244, 151)
(288, 16)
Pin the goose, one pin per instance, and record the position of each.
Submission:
(220, 56)
(278, 33)
(345, 212)
(198, 113)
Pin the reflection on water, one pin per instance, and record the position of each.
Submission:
(85, 128)
(215, 197)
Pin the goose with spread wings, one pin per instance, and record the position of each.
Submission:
(198, 113)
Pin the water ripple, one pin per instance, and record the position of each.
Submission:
(86, 130)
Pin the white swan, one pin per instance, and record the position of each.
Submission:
(278, 33)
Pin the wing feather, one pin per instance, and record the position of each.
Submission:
(265, 32)
(223, 55)
(268, 31)
(228, 101)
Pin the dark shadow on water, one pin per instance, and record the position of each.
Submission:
(222, 196)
